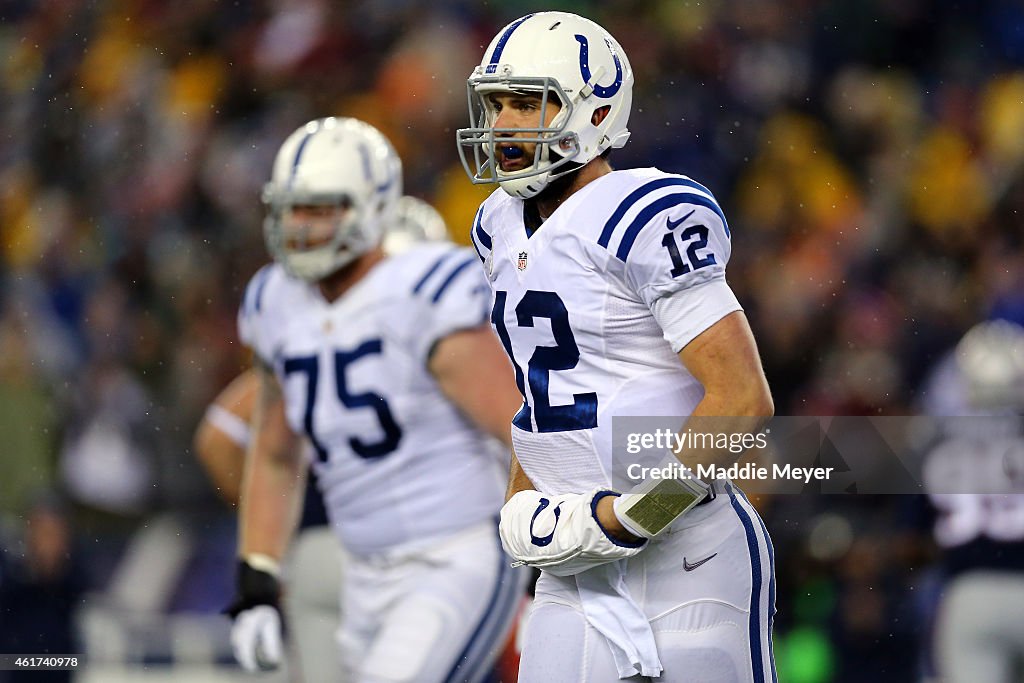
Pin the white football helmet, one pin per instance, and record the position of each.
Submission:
(556, 55)
(334, 163)
(991, 360)
(413, 221)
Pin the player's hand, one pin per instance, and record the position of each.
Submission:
(257, 635)
(561, 534)
(606, 517)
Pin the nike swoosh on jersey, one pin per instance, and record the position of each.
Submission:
(690, 567)
(672, 225)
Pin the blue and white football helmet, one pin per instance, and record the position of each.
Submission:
(560, 56)
(339, 163)
(413, 221)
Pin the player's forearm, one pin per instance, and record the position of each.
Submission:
(735, 413)
(223, 461)
(724, 359)
(274, 477)
(490, 415)
(269, 506)
(474, 374)
(227, 479)
(650, 507)
(224, 433)
(517, 479)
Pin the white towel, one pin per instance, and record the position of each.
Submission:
(611, 610)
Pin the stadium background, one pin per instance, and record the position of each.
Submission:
(868, 156)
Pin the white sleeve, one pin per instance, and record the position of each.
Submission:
(454, 296)
(684, 315)
(675, 254)
(251, 315)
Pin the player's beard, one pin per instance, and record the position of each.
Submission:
(557, 188)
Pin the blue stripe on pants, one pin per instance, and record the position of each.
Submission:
(754, 626)
(508, 589)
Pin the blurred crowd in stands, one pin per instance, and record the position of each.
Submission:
(867, 154)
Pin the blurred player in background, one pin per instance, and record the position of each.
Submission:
(387, 367)
(415, 221)
(975, 477)
(611, 299)
(314, 561)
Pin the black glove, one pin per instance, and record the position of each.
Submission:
(253, 587)
(257, 635)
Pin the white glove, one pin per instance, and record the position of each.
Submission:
(560, 534)
(256, 638)
(257, 634)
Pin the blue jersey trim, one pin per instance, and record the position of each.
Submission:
(656, 207)
(433, 269)
(484, 238)
(697, 186)
(259, 289)
(636, 195)
(492, 64)
(253, 300)
(476, 233)
(754, 625)
(593, 513)
(451, 277)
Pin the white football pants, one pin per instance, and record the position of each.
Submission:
(311, 605)
(437, 610)
(707, 587)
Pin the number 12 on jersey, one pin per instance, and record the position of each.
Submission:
(696, 260)
(564, 355)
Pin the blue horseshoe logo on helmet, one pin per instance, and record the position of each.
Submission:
(603, 91)
(542, 541)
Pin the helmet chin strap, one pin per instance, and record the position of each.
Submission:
(544, 183)
(530, 186)
(525, 188)
(556, 186)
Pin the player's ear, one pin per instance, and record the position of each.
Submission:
(599, 114)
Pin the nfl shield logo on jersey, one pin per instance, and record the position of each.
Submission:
(521, 261)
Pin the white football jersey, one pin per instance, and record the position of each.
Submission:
(395, 460)
(594, 307)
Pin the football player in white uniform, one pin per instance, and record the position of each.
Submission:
(610, 299)
(313, 562)
(388, 369)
